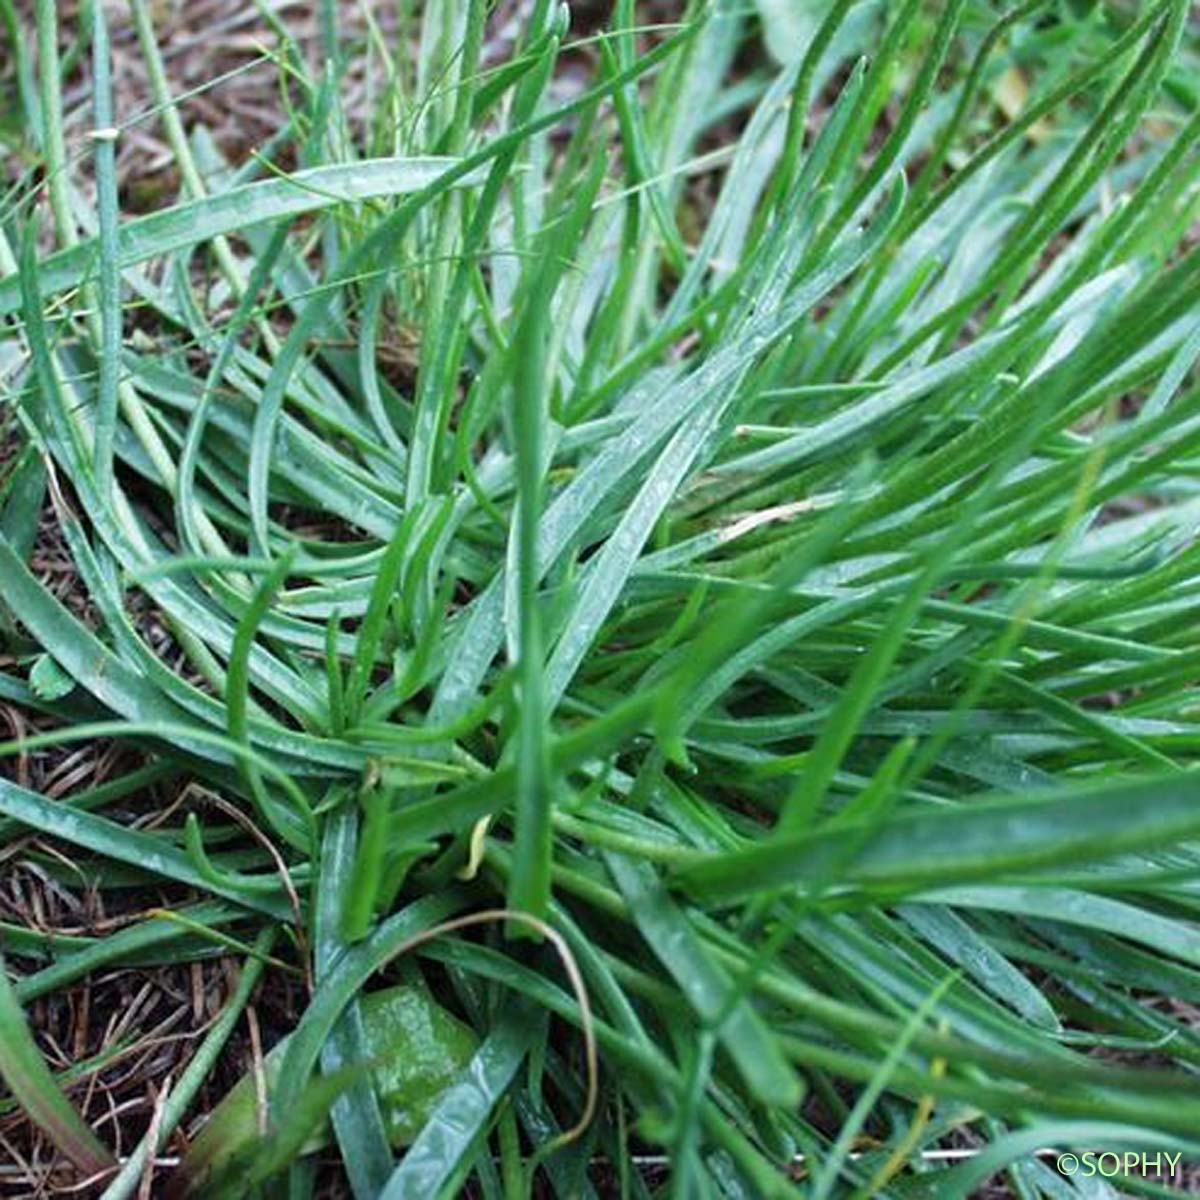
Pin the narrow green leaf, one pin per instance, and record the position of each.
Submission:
(27, 1076)
(983, 839)
(743, 1031)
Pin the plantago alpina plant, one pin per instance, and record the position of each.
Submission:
(679, 560)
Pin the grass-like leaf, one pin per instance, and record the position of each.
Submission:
(33, 1086)
(717, 495)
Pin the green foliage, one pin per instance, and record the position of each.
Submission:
(29, 1080)
(740, 509)
(47, 680)
(435, 1048)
